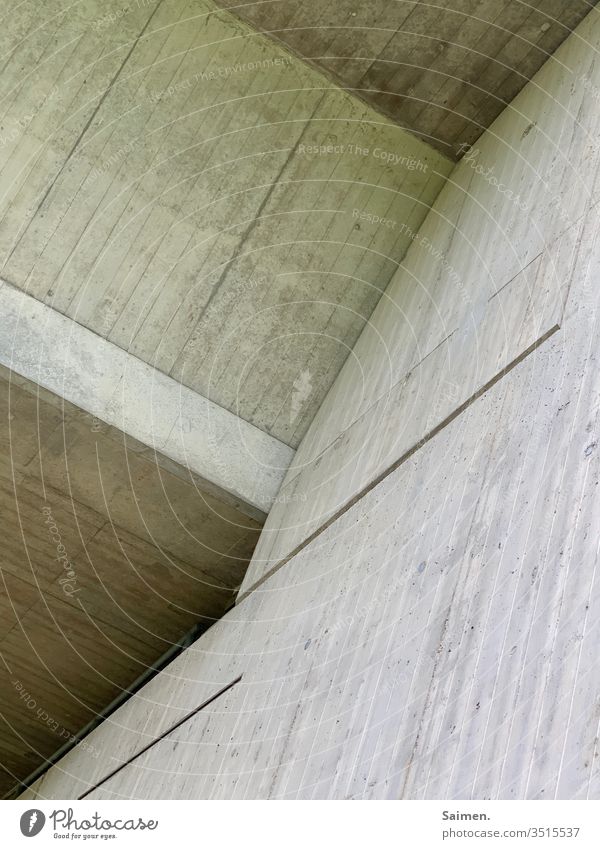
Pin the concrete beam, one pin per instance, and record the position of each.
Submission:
(184, 431)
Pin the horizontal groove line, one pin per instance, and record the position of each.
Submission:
(402, 459)
(161, 736)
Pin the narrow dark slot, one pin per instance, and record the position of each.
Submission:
(397, 463)
(161, 736)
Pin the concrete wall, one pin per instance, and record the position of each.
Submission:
(184, 187)
(437, 636)
(484, 279)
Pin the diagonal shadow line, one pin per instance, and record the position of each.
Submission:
(162, 736)
(402, 459)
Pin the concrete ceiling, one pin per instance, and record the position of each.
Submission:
(185, 188)
(443, 70)
(107, 560)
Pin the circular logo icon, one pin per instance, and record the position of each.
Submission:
(32, 822)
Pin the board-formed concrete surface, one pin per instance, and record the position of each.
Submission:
(173, 426)
(427, 647)
(483, 280)
(445, 70)
(186, 188)
(108, 559)
(438, 638)
(114, 487)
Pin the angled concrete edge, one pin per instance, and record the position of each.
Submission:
(182, 430)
